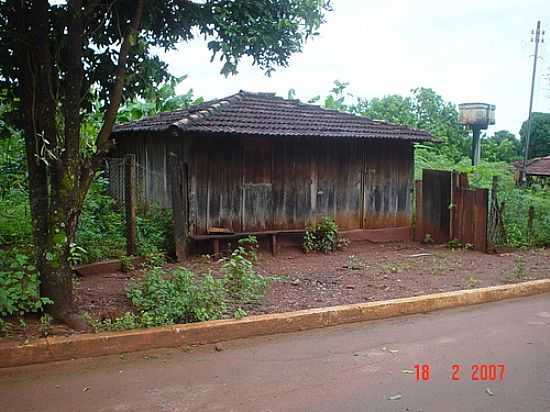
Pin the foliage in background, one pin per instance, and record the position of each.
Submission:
(323, 237)
(539, 142)
(503, 146)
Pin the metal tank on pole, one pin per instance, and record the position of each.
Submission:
(478, 116)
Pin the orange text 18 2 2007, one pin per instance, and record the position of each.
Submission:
(474, 372)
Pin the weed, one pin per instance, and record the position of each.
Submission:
(472, 282)
(519, 272)
(454, 244)
(324, 237)
(126, 264)
(239, 313)
(240, 278)
(353, 263)
(126, 321)
(76, 254)
(155, 260)
(45, 325)
(428, 239)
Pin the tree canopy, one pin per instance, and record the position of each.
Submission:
(539, 142)
(423, 109)
(503, 146)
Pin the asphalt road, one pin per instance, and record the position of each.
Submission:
(359, 367)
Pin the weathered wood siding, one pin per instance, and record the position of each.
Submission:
(277, 183)
(256, 184)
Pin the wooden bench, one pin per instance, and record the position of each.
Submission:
(272, 234)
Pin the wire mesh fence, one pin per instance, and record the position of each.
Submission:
(151, 186)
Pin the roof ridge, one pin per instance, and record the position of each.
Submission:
(202, 113)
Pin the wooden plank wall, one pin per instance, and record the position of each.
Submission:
(257, 184)
(278, 183)
(151, 169)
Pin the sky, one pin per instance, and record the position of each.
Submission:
(467, 51)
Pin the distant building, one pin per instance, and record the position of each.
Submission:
(536, 167)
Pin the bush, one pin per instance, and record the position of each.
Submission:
(177, 297)
(19, 285)
(323, 237)
(240, 278)
(516, 212)
(101, 226)
(154, 227)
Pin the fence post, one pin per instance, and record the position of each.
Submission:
(531, 216)
(130, 204)
(494, 218)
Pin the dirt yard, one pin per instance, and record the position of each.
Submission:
(363, 272)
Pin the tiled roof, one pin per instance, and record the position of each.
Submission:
(246, 113)
(539, 166)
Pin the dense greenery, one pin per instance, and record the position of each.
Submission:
(539, 142)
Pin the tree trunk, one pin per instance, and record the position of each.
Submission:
(58, 176)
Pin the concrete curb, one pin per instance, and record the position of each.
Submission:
(91, 345)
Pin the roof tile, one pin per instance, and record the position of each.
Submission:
(248, 113)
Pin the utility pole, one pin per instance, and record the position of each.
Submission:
(538, 38)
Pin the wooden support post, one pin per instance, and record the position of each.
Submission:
(130, 204)
(274, 244)
(216, 246)
(177, 175)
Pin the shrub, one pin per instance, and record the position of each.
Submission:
(323, 237)
(167, 298)
(19, 285)
(240, 278)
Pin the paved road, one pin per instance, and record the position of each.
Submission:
(349, 368)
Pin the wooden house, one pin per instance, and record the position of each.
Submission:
(257, 163)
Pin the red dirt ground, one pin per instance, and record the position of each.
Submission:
(379, 271)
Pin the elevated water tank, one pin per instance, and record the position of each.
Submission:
(478, 115)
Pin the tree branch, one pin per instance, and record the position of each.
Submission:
(73, 83)
(116, 91)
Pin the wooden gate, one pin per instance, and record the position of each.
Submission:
(447, 208)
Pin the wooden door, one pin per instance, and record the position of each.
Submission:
(257, 210)
(436, 204)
